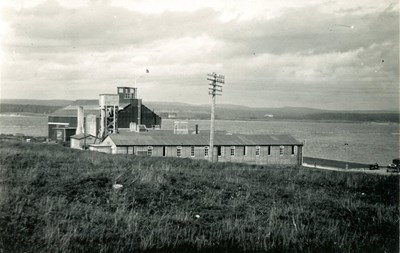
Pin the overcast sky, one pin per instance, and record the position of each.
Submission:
(330, 54)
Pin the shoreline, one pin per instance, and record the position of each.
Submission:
(25, 114)
(308, 162)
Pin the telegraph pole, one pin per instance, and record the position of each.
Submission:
(214, 89)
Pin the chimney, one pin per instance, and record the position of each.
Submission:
(91, 124)
(133, 127)
(80, 119)
(181, 127)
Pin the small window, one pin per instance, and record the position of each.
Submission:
(244, 150)
(179, 151)
(233, 151)
(127, 96)
(149, 151)
(257, 150)
(120, 90)
(281, 150)
(164, 151)
(269, 150)
(206, 150)
(192, 151)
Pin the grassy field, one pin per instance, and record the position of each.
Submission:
(53, 199)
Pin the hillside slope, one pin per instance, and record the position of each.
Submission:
(54, 102)
(55, 199)
(20, 108)
(223, 111)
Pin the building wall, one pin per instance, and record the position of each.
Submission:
(52, 133)
(78, 144)
(75, 144)
(263, 158)
(102, 149)
(70, 120)
(149, 118)
(130, 114)
(287, 158)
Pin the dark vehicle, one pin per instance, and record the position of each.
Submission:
(374, 166)
(394, 167)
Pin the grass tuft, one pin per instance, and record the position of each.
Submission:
(54, 199)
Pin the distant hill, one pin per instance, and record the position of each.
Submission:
(223, 111)
(18, 108)
(238, 112)
(36, 102)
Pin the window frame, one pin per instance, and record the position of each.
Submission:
(233, 148)
(281, 150)
(179, 148)
(258, 150)
(192, 151)
(206, 151)
(149, 150)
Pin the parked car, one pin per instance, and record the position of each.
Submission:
(394, 167)
(374, 166)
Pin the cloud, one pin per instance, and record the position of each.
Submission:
(311, 50)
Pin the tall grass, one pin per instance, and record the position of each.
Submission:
(55, 199)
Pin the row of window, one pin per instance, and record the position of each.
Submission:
(220, 151)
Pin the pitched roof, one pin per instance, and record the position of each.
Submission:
(71, 110)
(81, 136)
(89, 107)
(153, 138)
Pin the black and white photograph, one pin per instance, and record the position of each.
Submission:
(199, 126)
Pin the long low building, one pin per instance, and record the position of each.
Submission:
(254, 149)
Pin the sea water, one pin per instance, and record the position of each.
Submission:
(345, 141)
